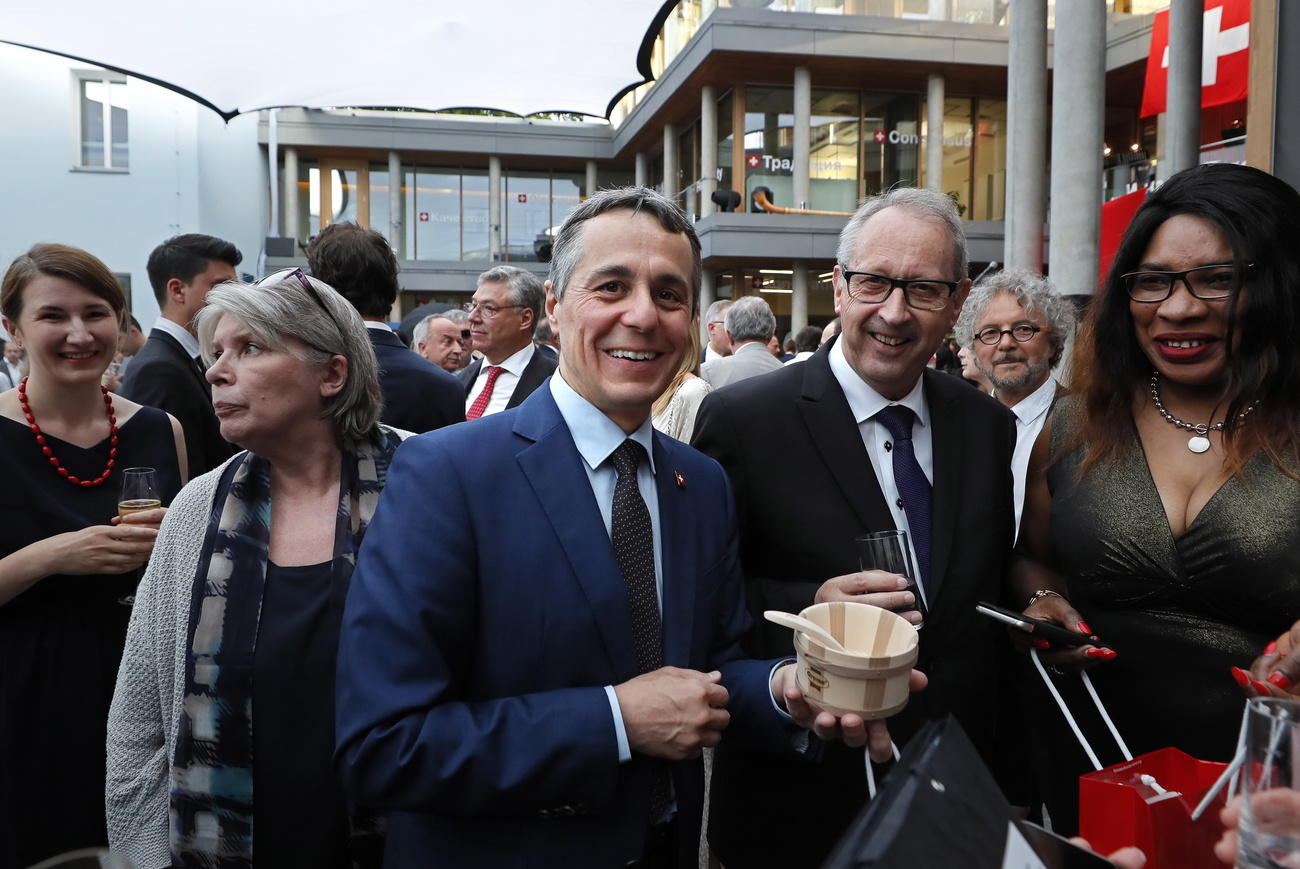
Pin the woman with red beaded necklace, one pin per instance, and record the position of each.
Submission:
(67, 565)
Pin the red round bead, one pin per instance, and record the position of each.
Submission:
(36, 429)
(40, 439)
(111, 463)
(84, 483)
(63, 472)
(112, 452)
(112, 421)
(54, 461)
(112, 441)
(47, 451)
(30, 418)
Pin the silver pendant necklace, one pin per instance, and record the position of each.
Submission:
(1199, 442)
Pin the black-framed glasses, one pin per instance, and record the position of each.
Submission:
(1209, 283)
(284, 275)
(924, 294)
(1022, 332)
(487, 309)
(464, 334)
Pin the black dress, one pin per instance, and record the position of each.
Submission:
(1179, 611)
(61, 639)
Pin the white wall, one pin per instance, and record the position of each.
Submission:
(189, 172)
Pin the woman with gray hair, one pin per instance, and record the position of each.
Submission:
(221, 732)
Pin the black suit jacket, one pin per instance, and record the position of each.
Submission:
(163, 375)
(805, 489)
(540, 367)
(418, 395)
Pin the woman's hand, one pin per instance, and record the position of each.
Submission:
(1055, 608)
(102, 549)
(1276, 672)
(144, 519)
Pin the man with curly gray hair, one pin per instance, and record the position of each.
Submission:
(1016, 325)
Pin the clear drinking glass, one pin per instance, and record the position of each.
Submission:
(888, 551)
(1269, 833)
(139, 491)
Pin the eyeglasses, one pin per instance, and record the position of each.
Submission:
(487, 309)
(1022, 332)
(284, 275)
(1208, 283)
(464, 334)
(923, 294)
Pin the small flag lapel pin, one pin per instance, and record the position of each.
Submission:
(681, 479)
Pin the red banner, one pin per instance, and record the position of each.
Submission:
(1115, 218)
(1225, 56)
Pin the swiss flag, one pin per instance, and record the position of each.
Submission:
(1225, 56)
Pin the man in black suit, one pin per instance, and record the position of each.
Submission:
(503, 312)
(847, 436)
(167, 373)
(359, 263)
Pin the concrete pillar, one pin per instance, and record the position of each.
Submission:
(707, 294)
(671, 180)
(1183, 91)
(708, 148)
(1078, 88)
(707, 7)
(292, 217)
(591, 177)
(642, 169)
(934, 132)
(802, 137)
(1027, 135)
(396, 238)
(494, 209)
(799, 296)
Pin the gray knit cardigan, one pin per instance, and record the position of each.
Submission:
(151, 681)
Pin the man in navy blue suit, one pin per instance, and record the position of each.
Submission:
(359, 263)
(532, 660)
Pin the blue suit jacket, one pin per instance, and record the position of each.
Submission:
(418, 395)
(485, 616)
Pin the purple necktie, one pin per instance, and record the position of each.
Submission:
(912, 485)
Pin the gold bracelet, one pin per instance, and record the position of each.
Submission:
(1042, 593)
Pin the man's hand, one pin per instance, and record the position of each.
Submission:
(851, 729)
(673, 713)
(875, 587)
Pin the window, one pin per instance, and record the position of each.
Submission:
(101, 121)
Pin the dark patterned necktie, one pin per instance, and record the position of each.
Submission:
(634, 550)
(913, 486)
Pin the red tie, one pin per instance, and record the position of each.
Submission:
(480, 404)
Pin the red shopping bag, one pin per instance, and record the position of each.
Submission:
(1165, 802)
(1148, 802)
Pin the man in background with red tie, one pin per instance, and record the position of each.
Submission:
(503, 312)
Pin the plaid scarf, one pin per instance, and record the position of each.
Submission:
(212, 774)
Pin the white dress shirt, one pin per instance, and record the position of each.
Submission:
(375, 324)
(865, 403)
(1031, 413)
(710, 354)
(507, 380)
(181, 334)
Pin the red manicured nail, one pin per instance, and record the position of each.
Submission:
(1261, 688)
(1271, 648)
(1083, 626)
(1040, 643)
(1242, 677)
(1280, 679)
(1100, 654)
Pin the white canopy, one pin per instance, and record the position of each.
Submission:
(238, 56)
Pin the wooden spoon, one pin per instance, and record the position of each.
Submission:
(803, 625)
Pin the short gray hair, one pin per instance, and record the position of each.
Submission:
(1033, 292)
(525, 287)
(328, 322)
(456, 315)
(921, 201)
(716, 310)
(750, 319)
(566, 251)
(421, 330)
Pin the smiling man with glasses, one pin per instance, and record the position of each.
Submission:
(503, 312)
(1016, 324)
(865, 438)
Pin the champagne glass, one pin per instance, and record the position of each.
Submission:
(1269, 832)
(139, 491)
(888, 551)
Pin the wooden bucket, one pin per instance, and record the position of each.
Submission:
(871, 679)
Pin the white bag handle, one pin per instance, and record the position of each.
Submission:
(1230, 774)
(1078, 734)
(871, 775)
